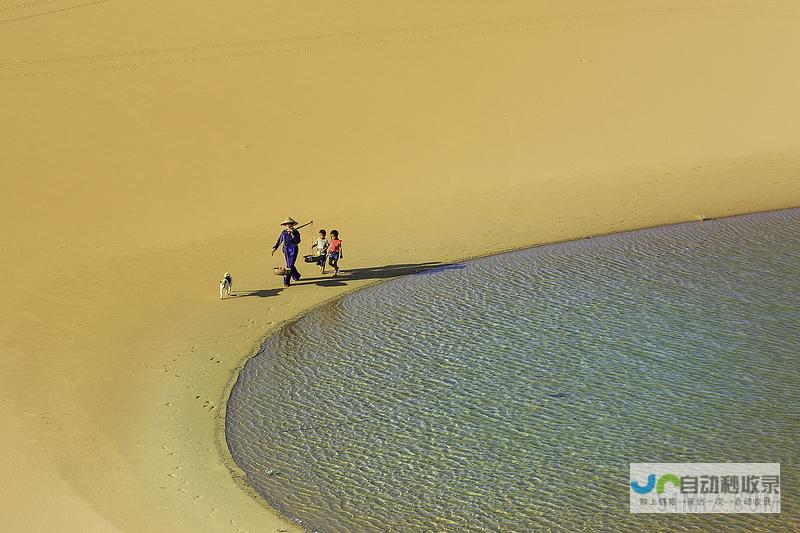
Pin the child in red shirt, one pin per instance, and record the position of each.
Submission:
(334, 251)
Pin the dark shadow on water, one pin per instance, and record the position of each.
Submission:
(378, 272)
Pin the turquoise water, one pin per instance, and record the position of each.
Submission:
(511, 393)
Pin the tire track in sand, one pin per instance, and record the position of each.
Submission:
(24, 5)
(110, 61)
(52, 11)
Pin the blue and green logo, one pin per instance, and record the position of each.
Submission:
(658, 485)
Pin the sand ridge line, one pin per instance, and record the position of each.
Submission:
(509, 29)
(34, 15)
(530, 23)
(25, 5)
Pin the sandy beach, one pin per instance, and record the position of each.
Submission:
(149, 148)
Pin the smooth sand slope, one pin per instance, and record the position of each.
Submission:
(148, 147)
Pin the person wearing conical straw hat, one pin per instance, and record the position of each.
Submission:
(290, 239)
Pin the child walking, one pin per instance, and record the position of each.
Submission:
(322, 249)
(334, 251)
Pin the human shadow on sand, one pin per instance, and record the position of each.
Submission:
(260, 293)
(381, 272)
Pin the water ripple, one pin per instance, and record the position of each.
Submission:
(491, 397)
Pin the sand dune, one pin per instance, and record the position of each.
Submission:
(148, 148)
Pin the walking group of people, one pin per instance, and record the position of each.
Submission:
(326, 250)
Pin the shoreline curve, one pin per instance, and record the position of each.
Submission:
(226, 454)
(130, 191)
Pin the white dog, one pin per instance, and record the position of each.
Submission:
(225, 285)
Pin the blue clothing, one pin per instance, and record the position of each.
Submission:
(290, 242)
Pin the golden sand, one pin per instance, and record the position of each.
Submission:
(148, 147)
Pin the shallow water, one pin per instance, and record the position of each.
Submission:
(511, 393)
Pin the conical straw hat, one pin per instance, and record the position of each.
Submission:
(290, 221)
